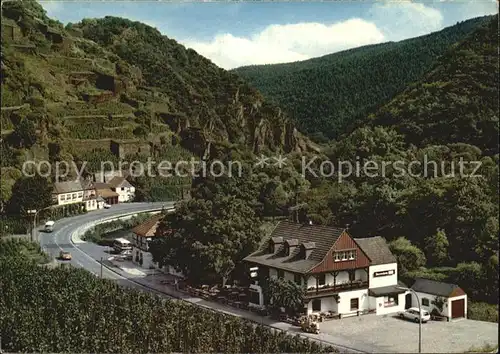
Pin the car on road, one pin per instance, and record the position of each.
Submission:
(106, 206)
(126, 254)
(412, 314)
(65, 256)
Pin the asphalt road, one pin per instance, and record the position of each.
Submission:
(88, 255)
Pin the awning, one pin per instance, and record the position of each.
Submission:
(386, 290)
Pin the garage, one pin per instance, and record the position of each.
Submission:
(440, 299)
(457, 308)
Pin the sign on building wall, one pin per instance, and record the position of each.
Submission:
(384, 273)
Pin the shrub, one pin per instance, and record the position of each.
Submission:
(482, 311)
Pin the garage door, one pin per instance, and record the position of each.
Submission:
(458, 308)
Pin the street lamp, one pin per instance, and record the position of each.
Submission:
(31, 212)
(419, 316)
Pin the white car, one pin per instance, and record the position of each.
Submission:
(413, 315)
(106, 206)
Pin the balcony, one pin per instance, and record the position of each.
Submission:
(333, 289)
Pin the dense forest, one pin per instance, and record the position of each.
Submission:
(326, 96)
(441, 222)
(439, 214)
(65, 310)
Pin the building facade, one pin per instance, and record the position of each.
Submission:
(142, 236)
(341, 274)
(77, 191)
(125, 191)
(430, 293)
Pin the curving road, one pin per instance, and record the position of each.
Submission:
(87, 255)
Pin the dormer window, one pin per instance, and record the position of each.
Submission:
(290, 246)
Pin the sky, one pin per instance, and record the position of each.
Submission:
(234, 34)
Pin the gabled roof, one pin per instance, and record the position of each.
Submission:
(107, 193)
(148, 228)
(68, 187)
(377, 249)
(101, 186)
(119, 182)
(324, 237)
(437, 288)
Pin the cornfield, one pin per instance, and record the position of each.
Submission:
(70, 310)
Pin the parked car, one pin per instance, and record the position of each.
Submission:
(65, 256)
(413, 315)
(106, 206)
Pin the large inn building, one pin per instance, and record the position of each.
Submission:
(342, 274)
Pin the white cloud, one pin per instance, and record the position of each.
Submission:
(401, 20)
(287, 43)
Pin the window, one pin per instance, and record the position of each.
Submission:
(73, 196)
(80, 194)
(344, 256)
(321, 279)
(281, 274)
(336, 257)
(63, 197)
(316, 305)
(352, 276)
(352, 255)
(297, 279)
(391, 300)
(354, 304)
(425, 301)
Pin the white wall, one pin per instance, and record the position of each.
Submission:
(91, 204)
(78, 198)
(327, 304)
(430, 297)
(382, 310)
(125, 194)
(344, 306)
(377, 282)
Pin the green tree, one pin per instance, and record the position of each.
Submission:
(24, 134)
(281, 293)
(207, 239)
(409, 256)
(436, 247)
(30, 193)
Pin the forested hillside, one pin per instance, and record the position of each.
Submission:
(116, 90)
(327, 95)
(456, 102)
(433, 194)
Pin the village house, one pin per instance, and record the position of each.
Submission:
(123, 188)
(104, 191)
(77, 191)
(430, 293)
(142, 235)
(343, 275)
